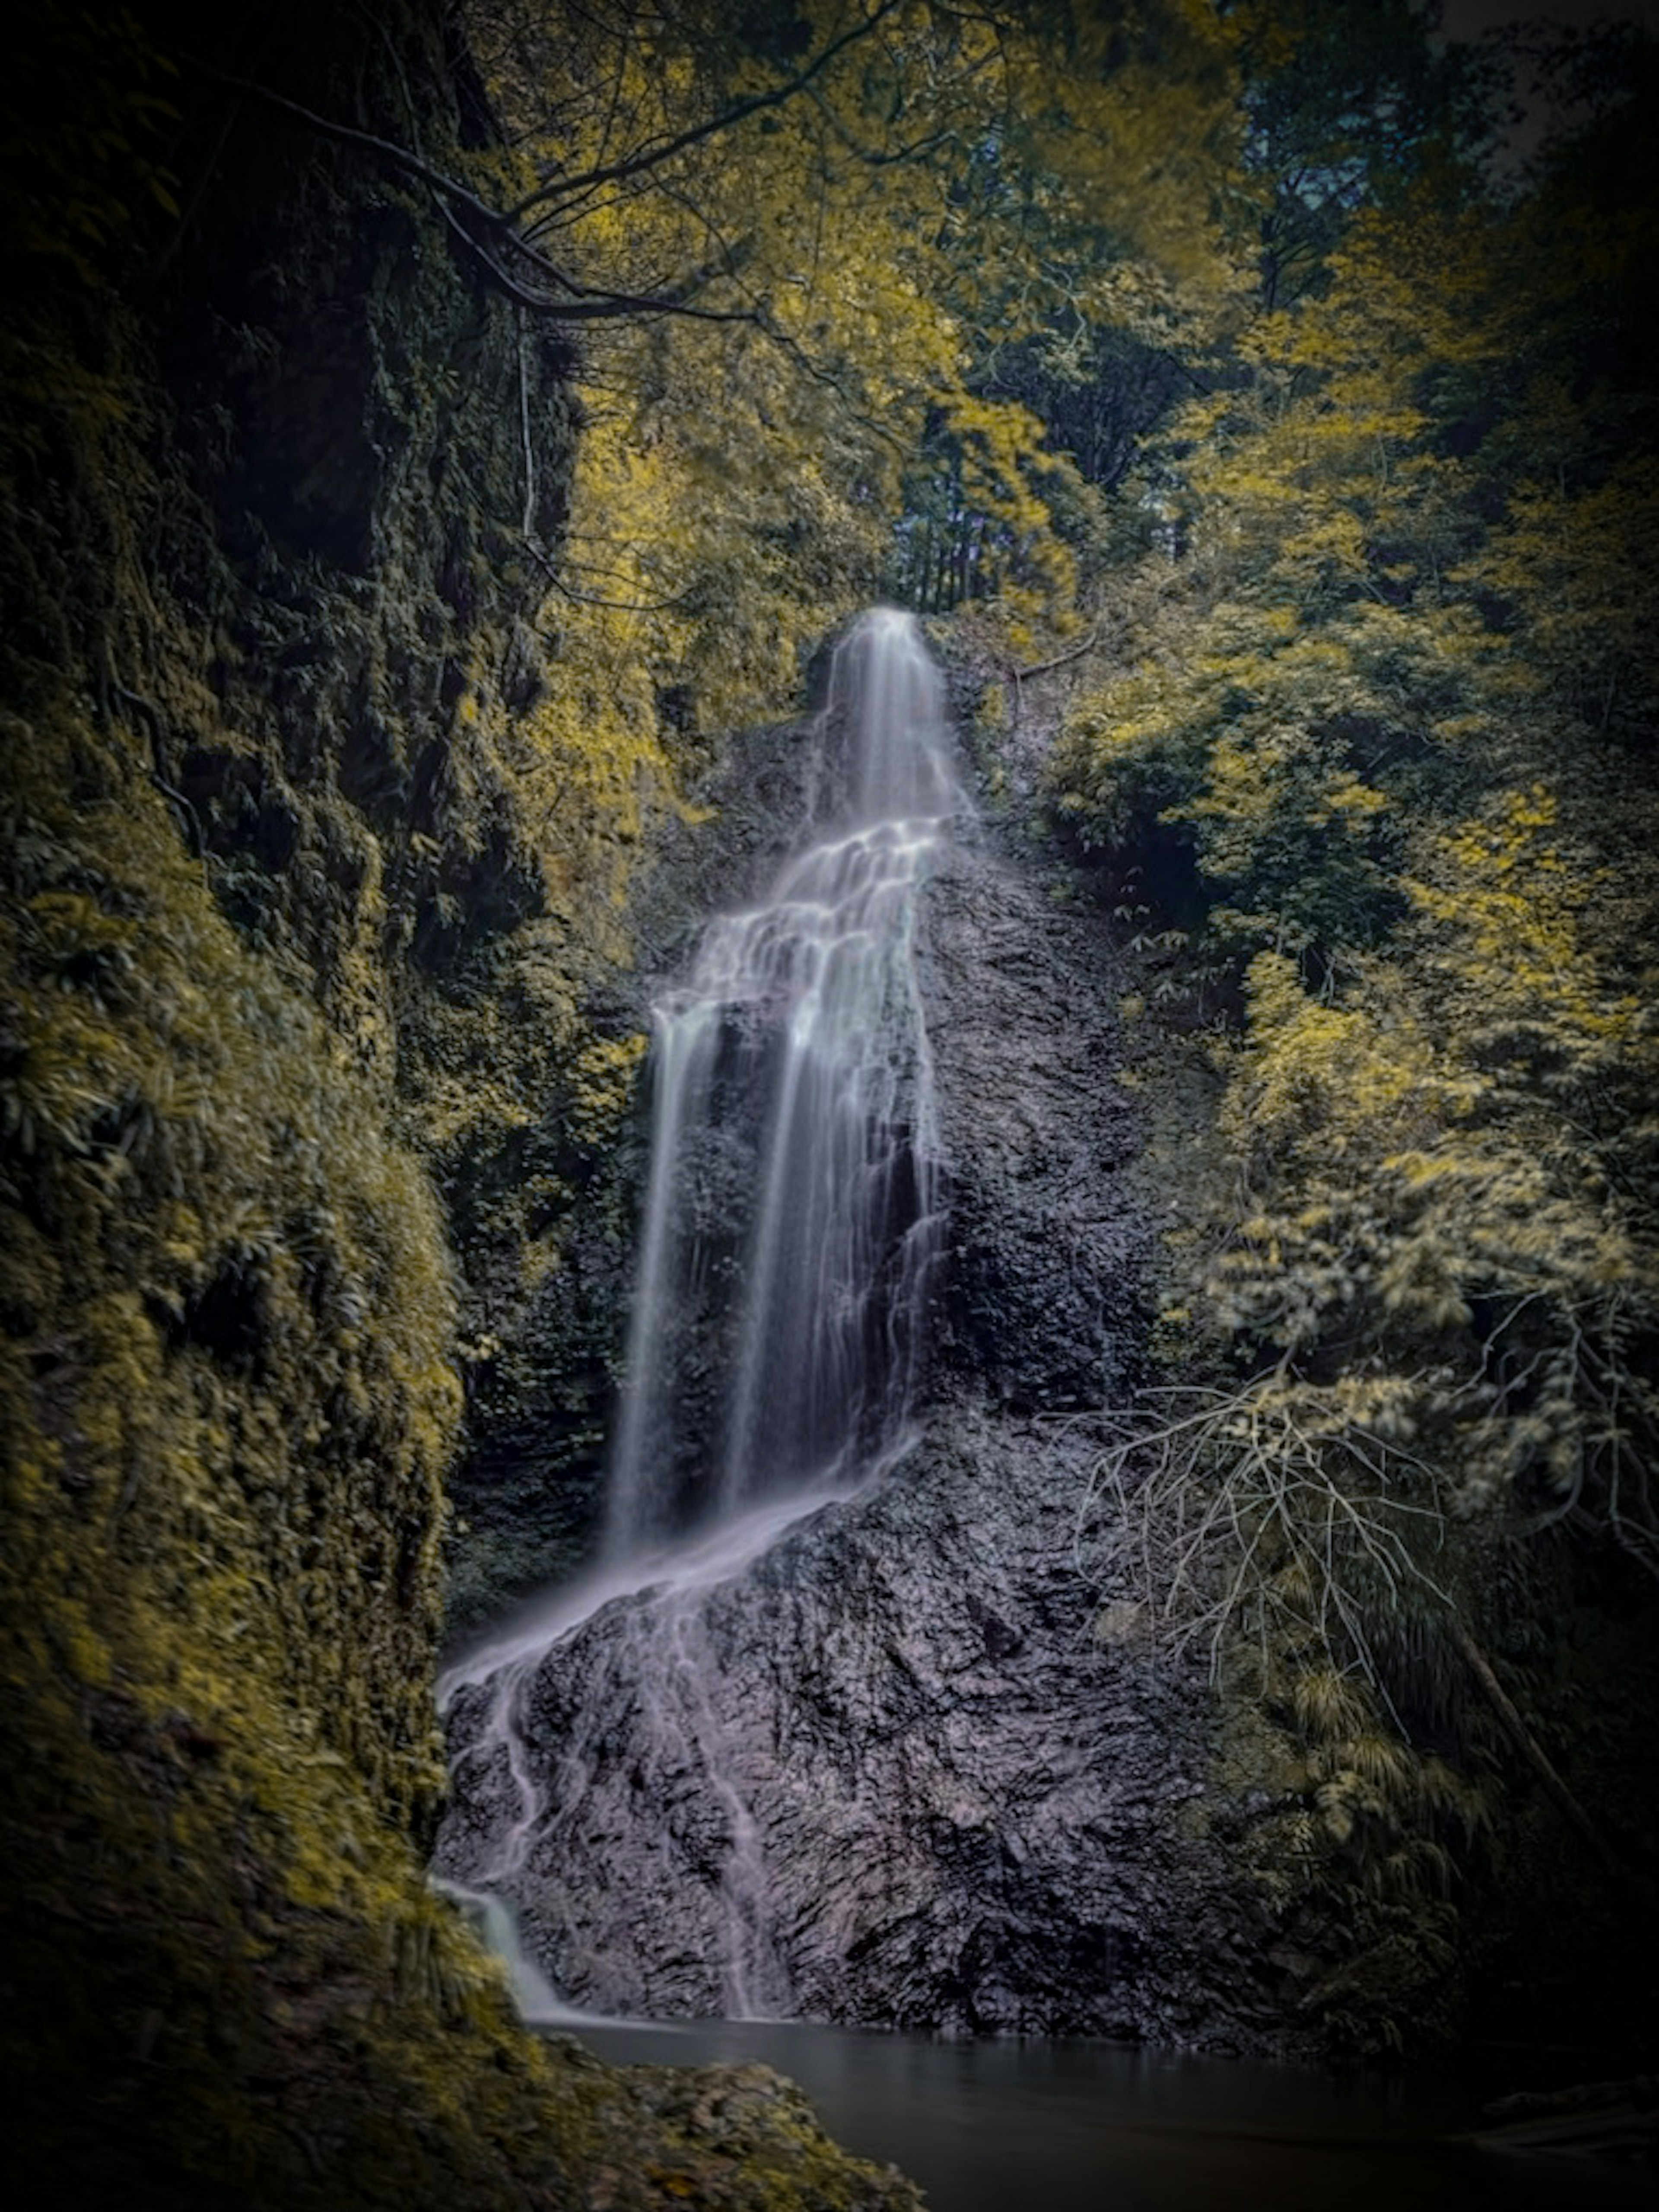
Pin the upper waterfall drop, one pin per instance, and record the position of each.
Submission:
(898, 748)
(792, 1228)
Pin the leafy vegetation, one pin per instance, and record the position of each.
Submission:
(1382, 735)
(839, 214)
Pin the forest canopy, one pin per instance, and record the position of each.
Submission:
(848, 216)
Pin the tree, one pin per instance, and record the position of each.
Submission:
(860, 204)
(1344, 107)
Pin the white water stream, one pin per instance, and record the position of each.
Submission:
(798, 1268)
(799, 1036)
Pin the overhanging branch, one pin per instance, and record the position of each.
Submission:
(514, 265)
(648, 157)
(492, 239)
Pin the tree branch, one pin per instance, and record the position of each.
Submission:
(1072, 653)
(585, 303)
(489, 235)
(650, 157)
(1555, 1789)
(346, 134)
(545, 562)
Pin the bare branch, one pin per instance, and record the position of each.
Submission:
(545, 562)
(585, 302)
(347, 134)
(1072, 653)
(1560, 1796)
(514, 262)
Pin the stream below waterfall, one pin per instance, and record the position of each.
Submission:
(1035, 2126)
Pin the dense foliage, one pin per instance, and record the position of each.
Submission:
(851, 210)
(1379, 739)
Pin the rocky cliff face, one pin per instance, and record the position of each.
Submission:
(1043, 1306)
(885, 1775)
(887, 1771)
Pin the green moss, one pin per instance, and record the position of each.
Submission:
(602, 1090)
(263, 903)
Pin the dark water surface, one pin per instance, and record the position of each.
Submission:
(1094, 2127)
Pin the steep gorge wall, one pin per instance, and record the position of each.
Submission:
(302, 1007)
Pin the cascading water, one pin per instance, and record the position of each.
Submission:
(791, 1235)
(798, 1037)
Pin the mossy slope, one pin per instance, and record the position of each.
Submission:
(271, 902)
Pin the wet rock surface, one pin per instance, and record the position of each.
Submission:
(1043, 1300)
(887, 1773)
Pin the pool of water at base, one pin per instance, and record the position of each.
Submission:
(1031, 2126)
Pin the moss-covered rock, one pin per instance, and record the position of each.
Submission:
(297, 1087)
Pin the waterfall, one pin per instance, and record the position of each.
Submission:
(797, 1043)
(789, 1242)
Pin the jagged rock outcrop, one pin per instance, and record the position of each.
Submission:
(886, 1775)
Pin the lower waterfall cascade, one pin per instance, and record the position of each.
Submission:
(790, 1242)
